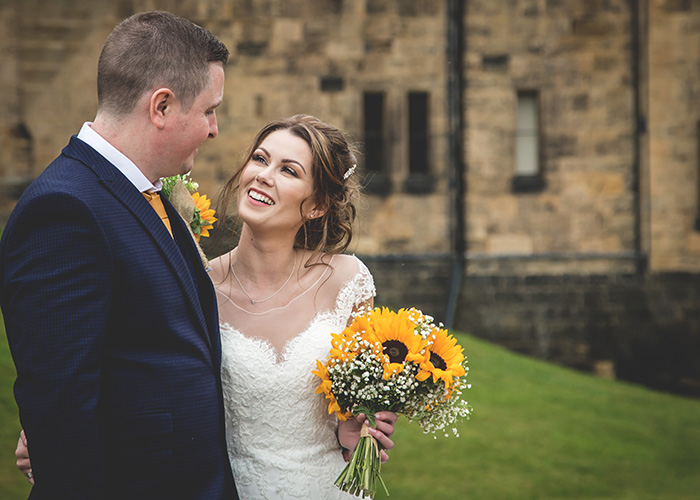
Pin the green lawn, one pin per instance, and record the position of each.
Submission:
(12, 483)
(539, 432)
(544, 432)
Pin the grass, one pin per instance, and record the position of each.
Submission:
(12, 483)
(539, 432)
(545, 432)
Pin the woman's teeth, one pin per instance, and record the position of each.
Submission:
(260, 197)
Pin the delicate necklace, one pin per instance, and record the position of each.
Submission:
(252, 301)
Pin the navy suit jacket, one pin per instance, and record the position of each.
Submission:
(113, 329)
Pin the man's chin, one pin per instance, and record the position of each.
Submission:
(187, 168)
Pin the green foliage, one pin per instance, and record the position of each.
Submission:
(169, 184)
(538, 431)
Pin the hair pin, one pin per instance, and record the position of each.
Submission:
(349, 171)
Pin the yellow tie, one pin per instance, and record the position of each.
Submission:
(157, 204)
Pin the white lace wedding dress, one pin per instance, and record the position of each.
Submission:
(281, 441)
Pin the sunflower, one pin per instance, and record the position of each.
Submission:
(444, 361)
(326, 388)
(352, 340)
(203, 219)
(395, 334)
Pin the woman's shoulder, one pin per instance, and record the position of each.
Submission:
(348, 270)
(347, 266)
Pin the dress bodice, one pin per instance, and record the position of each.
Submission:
(281, 441)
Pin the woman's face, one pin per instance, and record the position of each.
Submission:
(275, 183)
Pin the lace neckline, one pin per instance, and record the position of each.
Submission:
(280, 356)
(262, 313)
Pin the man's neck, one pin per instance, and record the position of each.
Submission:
(127, 136)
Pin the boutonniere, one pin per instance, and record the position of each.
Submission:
(193, 207)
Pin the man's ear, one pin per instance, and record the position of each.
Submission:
(160, 105)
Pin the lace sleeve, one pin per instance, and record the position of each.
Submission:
(356, 296)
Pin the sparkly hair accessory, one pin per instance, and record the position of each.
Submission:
(349, 172)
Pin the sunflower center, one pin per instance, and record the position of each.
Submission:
(437, 361)
(395, 350)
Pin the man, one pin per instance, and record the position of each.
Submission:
(110, 316)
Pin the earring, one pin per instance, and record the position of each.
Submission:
(311, 215)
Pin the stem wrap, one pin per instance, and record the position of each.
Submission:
(361, 474)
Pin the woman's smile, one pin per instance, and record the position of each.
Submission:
(259, 197)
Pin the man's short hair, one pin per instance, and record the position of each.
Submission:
(151, 50)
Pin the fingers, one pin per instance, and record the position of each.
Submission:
(22, 455)
(22, 452)
(383, 430)
(386, 421)
(384, 441)
(387, 416)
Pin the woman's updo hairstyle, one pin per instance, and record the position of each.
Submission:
(334, 189)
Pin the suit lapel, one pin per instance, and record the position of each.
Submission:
(125, 192)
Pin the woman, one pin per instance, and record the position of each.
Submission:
(281, 292)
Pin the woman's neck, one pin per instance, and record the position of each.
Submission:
(263, 261)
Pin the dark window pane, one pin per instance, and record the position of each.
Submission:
(418, 133)
(374, 131)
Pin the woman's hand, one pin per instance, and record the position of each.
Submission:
(22, 455)
(349, 433)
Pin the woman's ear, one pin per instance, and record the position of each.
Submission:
(159, 106)
(316, 213)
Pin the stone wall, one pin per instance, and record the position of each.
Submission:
(674, 134)
(577, 56)
(423, 282)
(278, 67)
(14, 140)
(641, 329)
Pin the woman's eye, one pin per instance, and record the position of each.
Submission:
(260, 159)
(289, 170)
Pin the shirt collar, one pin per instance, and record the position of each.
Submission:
(117, 158)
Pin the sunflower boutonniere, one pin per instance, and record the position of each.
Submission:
(392, 361)
(193, 207)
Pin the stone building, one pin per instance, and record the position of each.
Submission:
(532, 167)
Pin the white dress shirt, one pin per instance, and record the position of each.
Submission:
(117, 158)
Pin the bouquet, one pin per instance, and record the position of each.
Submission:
(194, 209)
(392, 361)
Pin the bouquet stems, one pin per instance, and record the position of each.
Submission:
(361, 474)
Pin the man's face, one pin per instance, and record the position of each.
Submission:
(189, 129)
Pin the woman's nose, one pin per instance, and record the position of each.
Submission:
(265, 176)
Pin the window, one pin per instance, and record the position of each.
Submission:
(528, 169)
(419, 179)
(376, 179)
